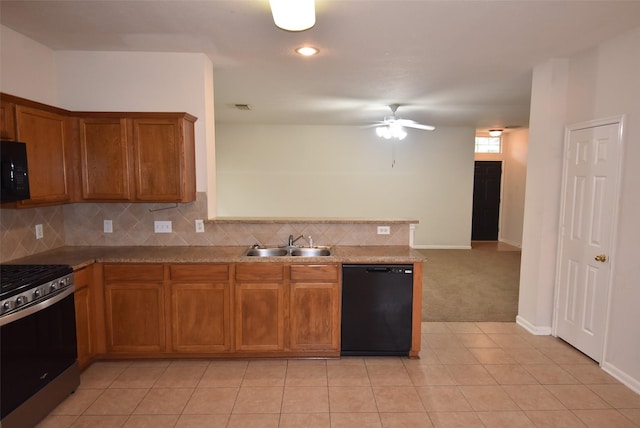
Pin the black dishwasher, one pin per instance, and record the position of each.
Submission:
(376, 309)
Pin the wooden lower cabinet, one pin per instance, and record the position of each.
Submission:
(85, 315)
(218, 309)
(134, 308)
(200, 320)
(260, 309)
(315, 308)
(291, 308)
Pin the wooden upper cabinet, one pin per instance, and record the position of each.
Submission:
(45, 134)
(146, 157)
(7, 120)
(104, 160)
(102, 156)
(164, 159)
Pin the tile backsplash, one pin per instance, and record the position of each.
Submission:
(82, 224)
(18, 235)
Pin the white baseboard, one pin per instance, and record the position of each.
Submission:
(538, 331)
(623, 377)
(442, 247)
(512, 243)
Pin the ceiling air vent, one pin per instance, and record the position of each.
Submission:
(245, 107)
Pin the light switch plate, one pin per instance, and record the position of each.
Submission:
(199, 226)
(384, 230)
(39, 231)
(108, 226)
(162, 226)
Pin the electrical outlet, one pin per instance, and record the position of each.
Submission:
(384, 230)
(39, 232)
(199, 226)
(162, 226)
(108, 226)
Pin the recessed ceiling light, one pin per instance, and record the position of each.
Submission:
(307, 51)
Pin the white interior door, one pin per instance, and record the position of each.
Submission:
(589, 208)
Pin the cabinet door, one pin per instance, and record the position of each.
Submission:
(135, 317)
(315, 308)
(200, 317)
(164, 167)
(45, 135)
(7, 120)
(84, 315)
(104, 159)
(315, 320)
(260, 317)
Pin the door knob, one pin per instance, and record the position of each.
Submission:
(601, 258)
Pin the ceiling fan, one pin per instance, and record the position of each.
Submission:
(393, 127)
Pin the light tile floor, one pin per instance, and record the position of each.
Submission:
(469, 375)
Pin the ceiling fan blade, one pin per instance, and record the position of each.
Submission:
(419, 126)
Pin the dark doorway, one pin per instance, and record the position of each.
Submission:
(486, 200)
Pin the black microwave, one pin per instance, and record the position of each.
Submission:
(15, 173)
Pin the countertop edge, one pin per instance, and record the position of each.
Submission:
(304, 220)
(80, 257)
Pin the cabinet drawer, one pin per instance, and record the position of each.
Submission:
(134, 272)
(306, 273)
(259, 272)
(199, 272)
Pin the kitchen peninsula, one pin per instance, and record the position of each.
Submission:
(214, 301)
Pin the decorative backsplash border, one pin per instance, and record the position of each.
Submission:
(82, 224)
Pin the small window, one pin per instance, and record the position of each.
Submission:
(487, 144)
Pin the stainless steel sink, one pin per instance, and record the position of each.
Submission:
(267, 252)
(288, 251)
(311, 252)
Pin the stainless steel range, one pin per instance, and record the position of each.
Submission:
(38, 341)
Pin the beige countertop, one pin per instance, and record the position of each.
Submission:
(306, 220)
(79, 257)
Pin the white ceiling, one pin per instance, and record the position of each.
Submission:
(449, 63)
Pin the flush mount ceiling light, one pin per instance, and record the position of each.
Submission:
(293, 15)
(307, 50)
(495, 132)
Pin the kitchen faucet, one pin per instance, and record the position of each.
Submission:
(293, 240)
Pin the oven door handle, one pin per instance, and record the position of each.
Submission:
(6, 319)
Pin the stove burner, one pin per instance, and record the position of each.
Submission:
(23, 286)
(15, 279)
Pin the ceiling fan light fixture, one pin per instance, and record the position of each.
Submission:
(391, 131)
(495, 132)
(293, 15)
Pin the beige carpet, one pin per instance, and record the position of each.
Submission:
(480, 284)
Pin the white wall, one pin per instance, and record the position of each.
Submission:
(142, 81)
(515, 148)
(27, 68)
(542, 198)
(338, 171)
(601, 82)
